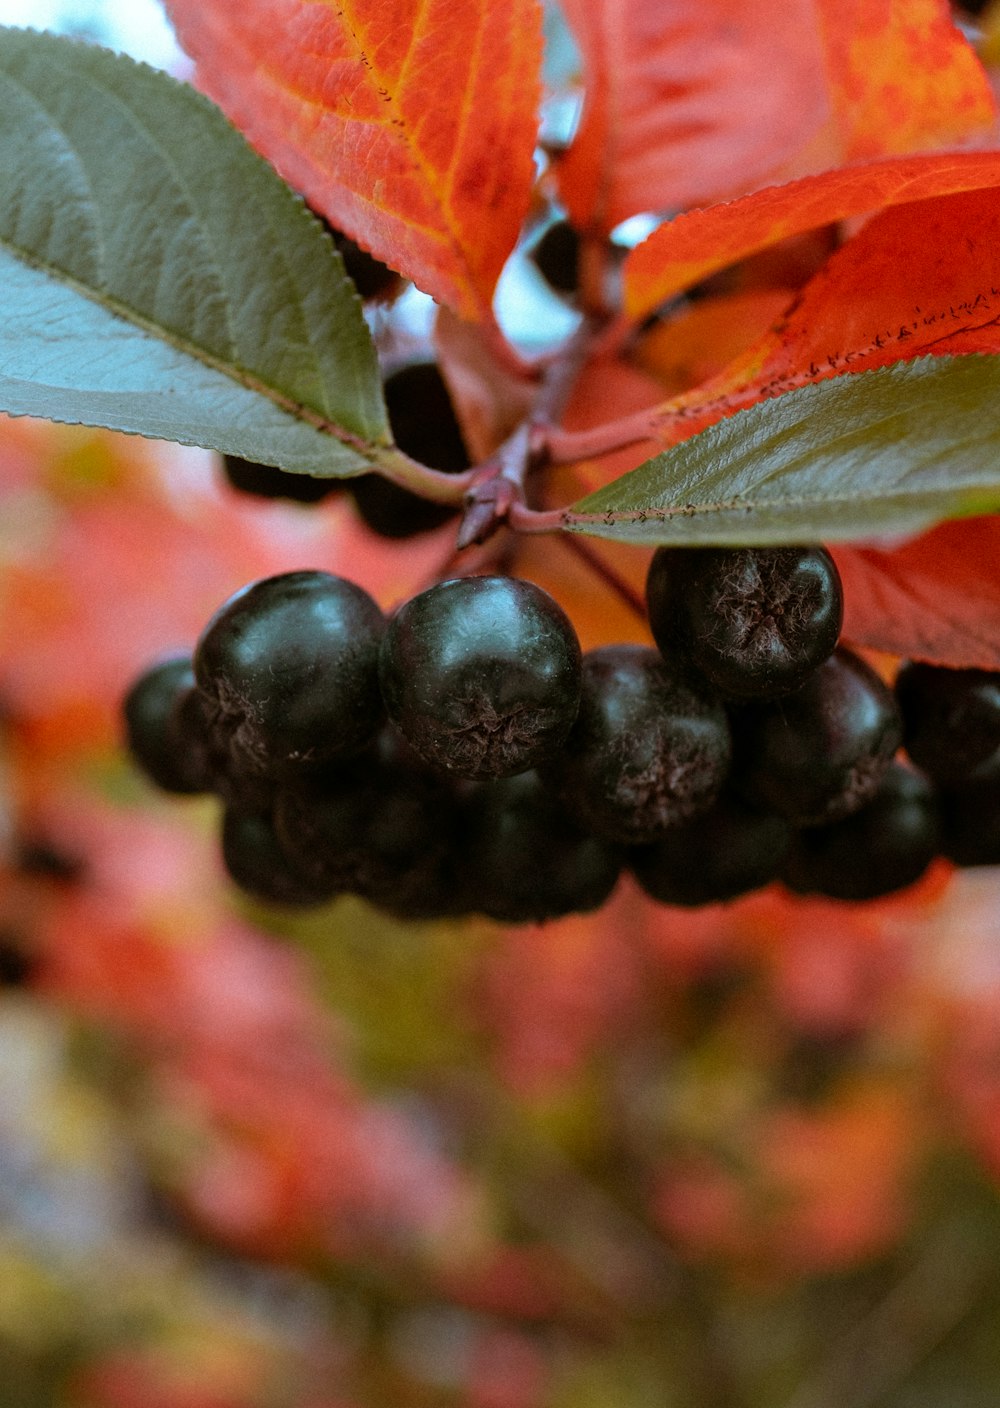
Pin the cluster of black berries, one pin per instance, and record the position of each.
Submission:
(464, 757)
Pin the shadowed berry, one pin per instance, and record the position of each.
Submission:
(970, 823)
(556, 255)
(818, 754)
(482, 675)
(727, 851)
(756, 621)
(291, 663)
(526, 860)
(650, 747)
(257, 863)
(951, 721)
(158, 728)
(266, 481)
(883, 847)
(424, 426)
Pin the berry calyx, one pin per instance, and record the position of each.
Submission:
(756, 621)
(291, 665)
(650, 747)
(818, 754)
(482, 675)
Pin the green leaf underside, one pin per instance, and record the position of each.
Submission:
(890, 451)
(158, 277)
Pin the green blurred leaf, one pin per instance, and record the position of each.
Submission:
(158, 276)
(884, 452)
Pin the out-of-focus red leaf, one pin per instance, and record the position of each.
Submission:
(665, 116)
(410, 125)
(919, 279)
(936, 598)
(704, 99)
(902, 76)
(686, 249)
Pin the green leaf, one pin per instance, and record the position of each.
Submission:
(157, 276)
(882, 452)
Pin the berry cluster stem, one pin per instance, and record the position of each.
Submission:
(497, 491)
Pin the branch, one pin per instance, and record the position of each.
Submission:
(496, 493)
(570, 446)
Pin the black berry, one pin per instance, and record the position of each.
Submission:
(425, 427)
(818, 754)
(374, 828)
(970, 823)
(370, 276)
(255, 860)
(158, 728)
(727, 851)
(756, 621)
(951, 721)
(482, 675)
(650, 747)
(556, 255)
(266, 481)
(291, 664)
(526, 861)
(883, 847)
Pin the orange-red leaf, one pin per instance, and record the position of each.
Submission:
(918, 279)
(410, 124)
(902, 76)
(936, 598)
(664, 120)
(686, 249)
(699, 100)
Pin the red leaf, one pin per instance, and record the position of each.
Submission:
(686, 249)
(936, 598)
(668, 91)
(921, 278)
(410, 125)
(902, 76)
(664, 120)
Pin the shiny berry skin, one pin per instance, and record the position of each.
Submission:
(756, 621)
(650, 747)
(291, 664)
(951, 721)
(818, 754)
(161, 734)
(883, 847)
(727, 851)
(481, 675)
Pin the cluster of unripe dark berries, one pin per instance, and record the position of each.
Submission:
(463, 756)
